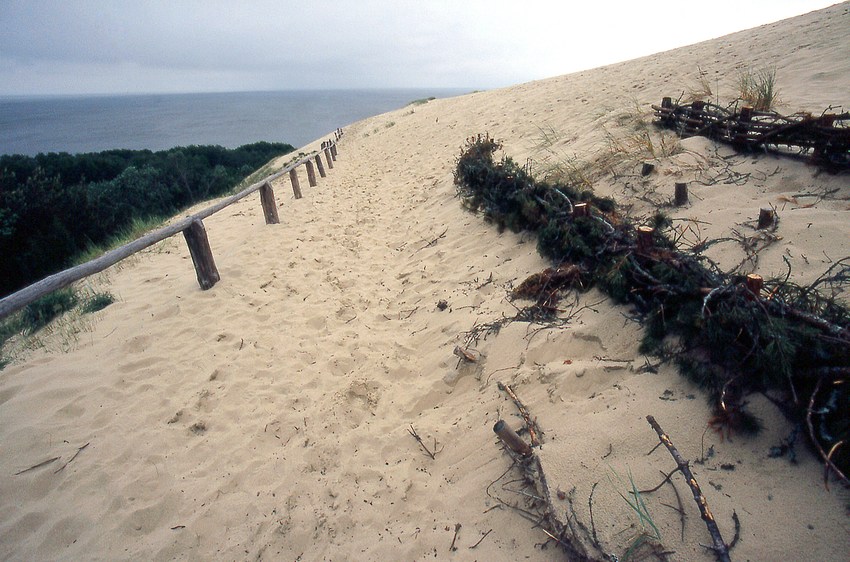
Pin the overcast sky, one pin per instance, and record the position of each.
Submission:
(96, 46)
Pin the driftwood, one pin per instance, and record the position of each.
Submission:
(721, 550)
(803, 133)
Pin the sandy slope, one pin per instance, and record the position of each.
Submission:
(268, 417)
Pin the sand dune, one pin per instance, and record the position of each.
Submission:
(268, 418)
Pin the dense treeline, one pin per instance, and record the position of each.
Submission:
(55, 206)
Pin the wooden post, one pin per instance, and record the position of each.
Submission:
(681, 194)
(741, 129)
(647, 169)
(513, 441)
(296, 187)
(333, 151)
(766, 218)
(644, 238)
(666, 103)
(755, 283)
(311, 174)
(320, 166)
(269, 207)
(581, 210)
(328, 158)
(199, 249)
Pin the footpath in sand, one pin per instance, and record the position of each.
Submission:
(268, 418)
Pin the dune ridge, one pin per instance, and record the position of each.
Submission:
(268, 417)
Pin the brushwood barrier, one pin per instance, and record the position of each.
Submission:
(732, 335)
(825, 139)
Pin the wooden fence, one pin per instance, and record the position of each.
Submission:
(192, 228)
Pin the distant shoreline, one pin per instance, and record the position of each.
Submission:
(30, 125)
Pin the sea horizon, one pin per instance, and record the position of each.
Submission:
(81, 123)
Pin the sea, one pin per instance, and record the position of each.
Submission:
(77, 124)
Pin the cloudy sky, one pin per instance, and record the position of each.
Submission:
(117, 46)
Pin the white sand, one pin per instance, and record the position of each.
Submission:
(267, 418)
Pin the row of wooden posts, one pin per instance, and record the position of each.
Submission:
(196, 234)
(192, 228)
(767, 216)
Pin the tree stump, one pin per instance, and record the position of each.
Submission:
(511, 440)
(647, 169)
(320, 166)
(296, 187)
(199, 249)
(766, 218)
(311, 174)
(741, 136)
(328, 158)
(645, 240)
(755, 283)
(269, 207)
(581, 210)
(681, 194)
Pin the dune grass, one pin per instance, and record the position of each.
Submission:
(758, 88)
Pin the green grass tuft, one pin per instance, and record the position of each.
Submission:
(40, 313)
(96, 302)
(758, 88)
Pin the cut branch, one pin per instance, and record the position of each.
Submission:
(721, 550)
(533, 429)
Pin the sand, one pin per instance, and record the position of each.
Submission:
(268, 418)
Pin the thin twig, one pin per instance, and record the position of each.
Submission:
(434, 241)
(828, 464)
(452, 548)
(61, 468)
(412, 431)
(590, 508)
(737, 530)
(35, 466)
(481, 539)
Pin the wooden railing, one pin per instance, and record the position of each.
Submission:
(192, 228)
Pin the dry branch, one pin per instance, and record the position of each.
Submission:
(433, 454)
(531, 424)
(721, 550)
